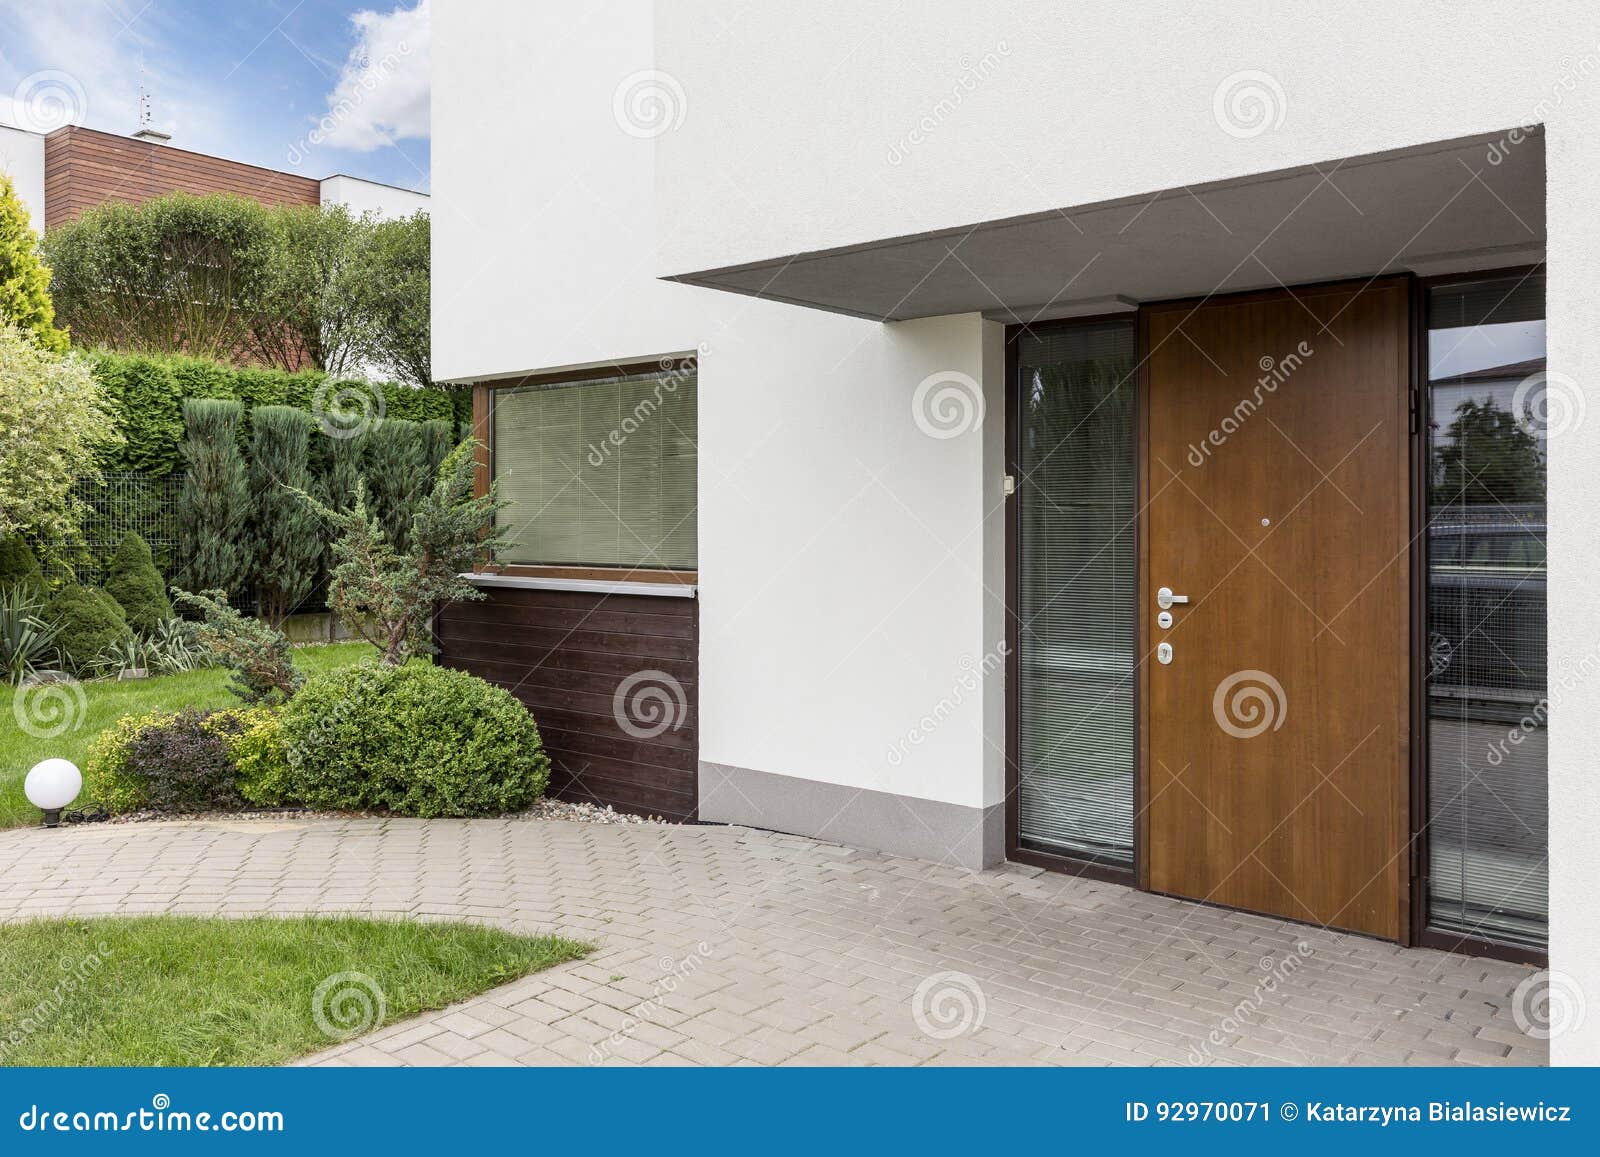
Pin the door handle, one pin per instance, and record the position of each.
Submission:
(1165, 598)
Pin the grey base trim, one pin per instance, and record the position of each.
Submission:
(879, 821)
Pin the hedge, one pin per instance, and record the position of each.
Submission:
(147, 394)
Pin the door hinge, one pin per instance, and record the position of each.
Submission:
(1010, 485)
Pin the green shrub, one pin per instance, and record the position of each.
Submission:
(147, 392)
(179, 762)
(184, 764)
(414, 740)
(105, 773)
(90, 622)
(18, 566)
(147, 399)
(132, 579)
(260, 759)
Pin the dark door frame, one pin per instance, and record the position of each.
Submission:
(1414, 915)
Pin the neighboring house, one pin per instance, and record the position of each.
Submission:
(62, 173)
(1005, 432)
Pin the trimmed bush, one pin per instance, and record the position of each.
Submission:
(132, 579)
(18, 566)
(105, 773)
(147, 392)
(415, 740)
(260, 759)
(90, 622)
(184, 762)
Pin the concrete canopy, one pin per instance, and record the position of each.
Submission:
(1430, 209)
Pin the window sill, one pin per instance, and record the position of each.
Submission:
(675, 589)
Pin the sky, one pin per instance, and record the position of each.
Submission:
(313, 87)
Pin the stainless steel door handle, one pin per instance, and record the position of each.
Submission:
(1165, 598)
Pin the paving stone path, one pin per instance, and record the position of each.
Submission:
(724, 945)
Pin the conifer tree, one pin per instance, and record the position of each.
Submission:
(24, 277)
(215, 512)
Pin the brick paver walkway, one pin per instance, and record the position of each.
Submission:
(725, 945)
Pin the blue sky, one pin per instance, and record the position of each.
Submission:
(309, 86)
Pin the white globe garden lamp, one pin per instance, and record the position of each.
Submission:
(51, 785)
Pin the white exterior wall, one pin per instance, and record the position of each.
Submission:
(359, 196)
(22, 159)
(841, 551)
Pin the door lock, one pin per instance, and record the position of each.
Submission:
(1164, 619)
(1165, 598)
(1163, 653)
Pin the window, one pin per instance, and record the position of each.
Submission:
(599, 473)
(1076, 635)
(1486, 663)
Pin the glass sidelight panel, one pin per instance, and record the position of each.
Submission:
(1490, 408)
(1076, 590)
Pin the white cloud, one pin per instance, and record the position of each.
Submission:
(382, 95)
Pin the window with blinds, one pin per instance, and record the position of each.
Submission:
(1490, 411)
(1076, 597)
(599, 473)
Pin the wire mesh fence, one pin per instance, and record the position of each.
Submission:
(129, 503)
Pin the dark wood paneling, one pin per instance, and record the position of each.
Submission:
(565, 655)
(85, 167)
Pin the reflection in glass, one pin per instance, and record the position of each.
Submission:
(1076, 568)
(1487, 830)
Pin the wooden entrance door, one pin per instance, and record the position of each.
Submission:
(1276, 479)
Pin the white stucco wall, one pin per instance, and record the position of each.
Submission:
(22, 159)
(369, 196)
(841, 548)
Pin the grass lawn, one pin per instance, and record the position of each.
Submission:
(169, 990)
(107, 701)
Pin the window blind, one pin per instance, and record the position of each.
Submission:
(1076, 571)
(599, 473)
